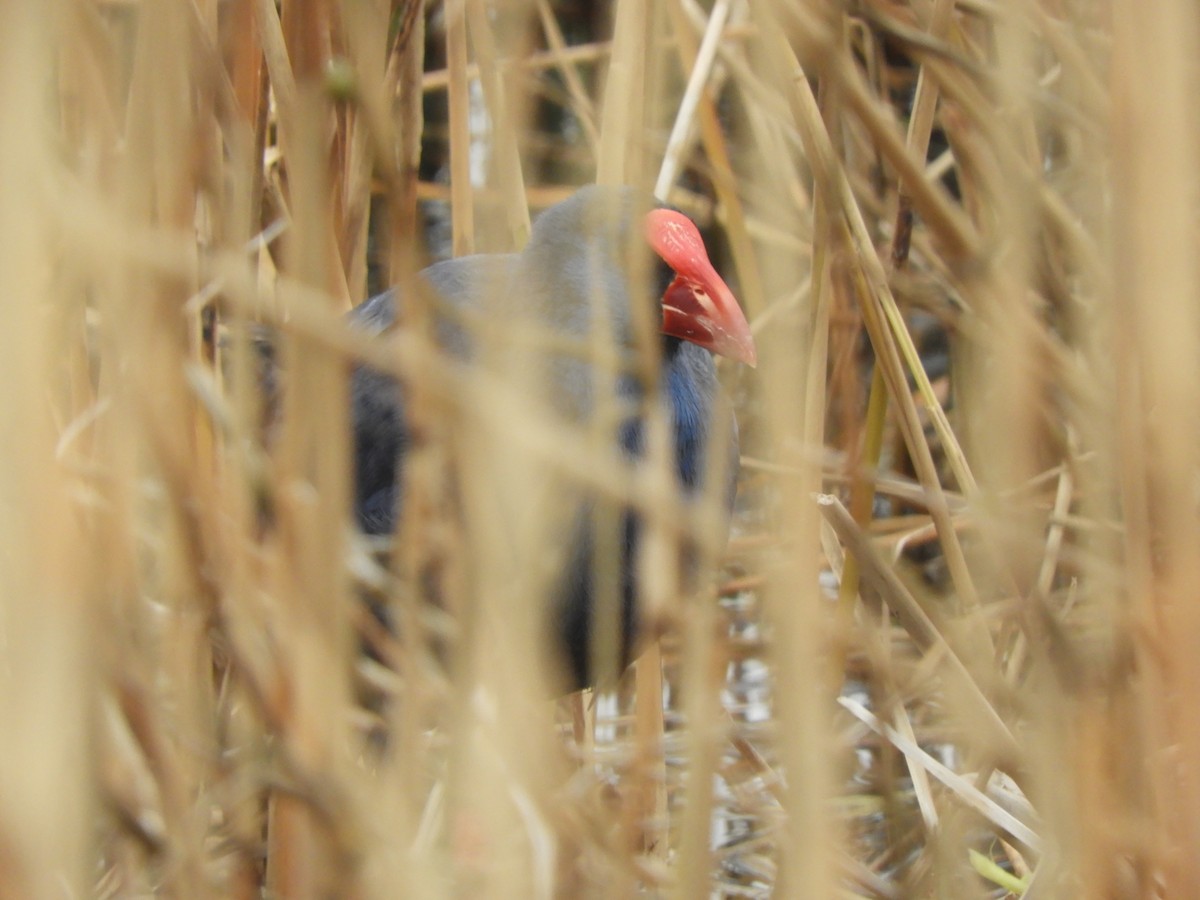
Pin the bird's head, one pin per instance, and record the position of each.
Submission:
(698, 305)
(589, 241)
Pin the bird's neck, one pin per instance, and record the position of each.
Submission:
(670, 348)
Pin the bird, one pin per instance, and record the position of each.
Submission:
(579, 251)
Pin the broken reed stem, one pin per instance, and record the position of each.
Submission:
(920, 625)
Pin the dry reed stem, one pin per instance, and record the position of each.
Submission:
(808, 837)
(884, 583)
(45, 795)
(563, 59)
(505, 169)
(685, 115)
(961, 786)
(462, 205)
(546, 59)
(861, 497)
(731, 207)
(617, 160)
(1156, 285)
(871, 286)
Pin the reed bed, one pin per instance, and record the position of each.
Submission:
(953, 648)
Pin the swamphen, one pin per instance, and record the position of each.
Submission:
(577, 248)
